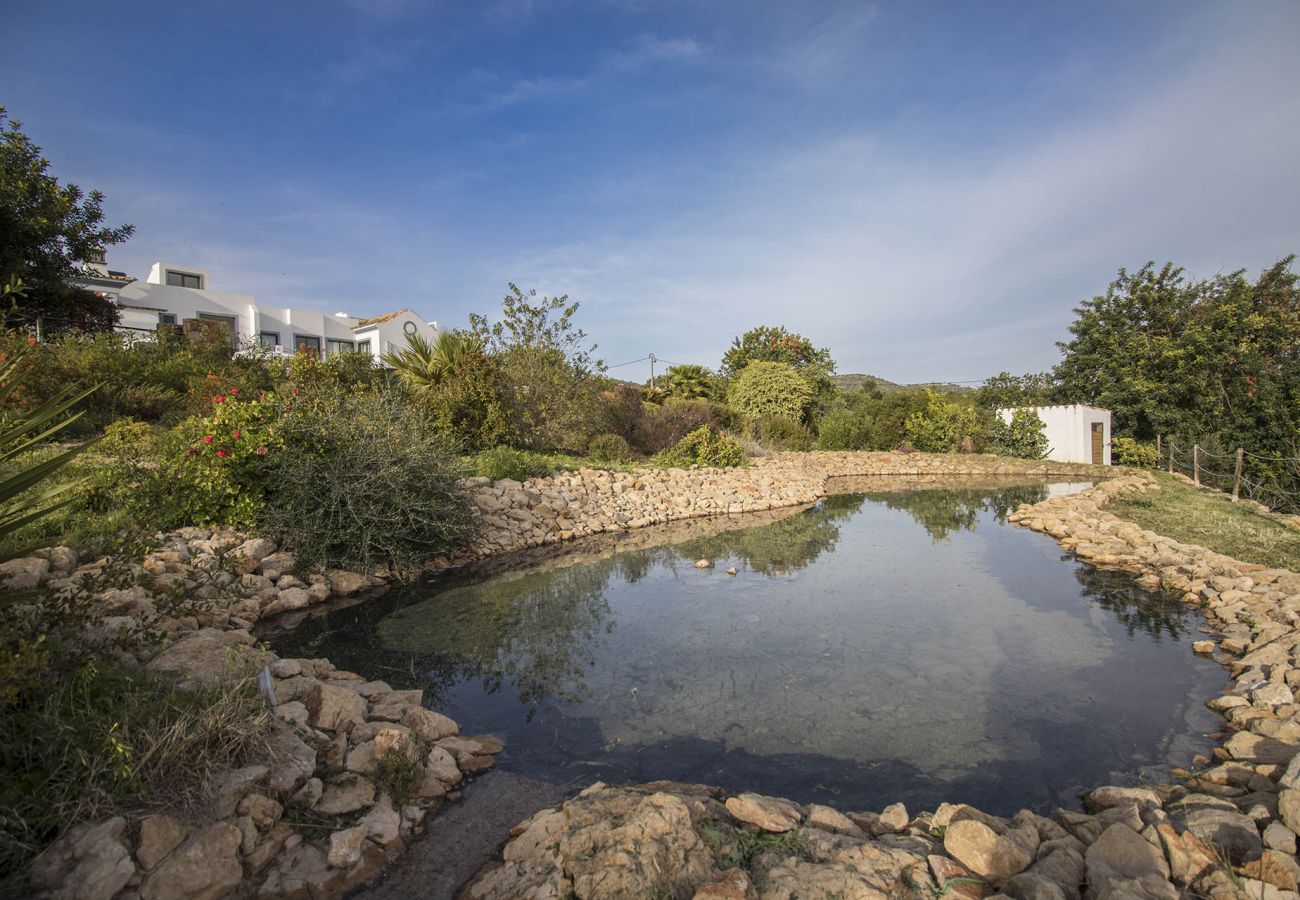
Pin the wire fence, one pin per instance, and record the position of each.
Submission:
(1273, 481)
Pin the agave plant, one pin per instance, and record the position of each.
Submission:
(24, 495)
(423, 364)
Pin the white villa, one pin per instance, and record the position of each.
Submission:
(1076, 433)
(173, 293)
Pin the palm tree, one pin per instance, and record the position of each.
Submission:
(690, 382)
(423, 364)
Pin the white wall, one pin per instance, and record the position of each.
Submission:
(1068, 430)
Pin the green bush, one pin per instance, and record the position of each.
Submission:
(1023, 436)
(842, 429)
(364, 480)
(1124, 451)
(703, 447)
(508, 462)
(763, 389)
(782, 433)
(611, 448)
(945, 426)
(664, 425)
(467, 402)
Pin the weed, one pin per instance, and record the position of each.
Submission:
(398, 771)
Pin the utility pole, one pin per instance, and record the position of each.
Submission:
(653, 360)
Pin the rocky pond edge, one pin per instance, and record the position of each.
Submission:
(1229, 830)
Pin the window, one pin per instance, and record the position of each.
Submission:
(184, 279)
(333, 346)
(363, 346)
(269, 339)
(166, 318)
(228, 321)
(308, 342)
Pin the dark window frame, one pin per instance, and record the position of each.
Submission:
(263, 335)
(299, 340)
(182, 278)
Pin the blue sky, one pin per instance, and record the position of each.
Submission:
(926, 188)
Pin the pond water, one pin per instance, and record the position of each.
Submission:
(882, 645)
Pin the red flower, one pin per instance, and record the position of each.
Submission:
(234, 391)
(219, 399)
(235, 436)
(221, 453)
(296, 391)
(31, 340)
(207, 439)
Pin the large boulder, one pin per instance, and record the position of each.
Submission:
(1122, 863)
(334, 708)
(768, 813)
(210, 656)
(88, 862)
(205, 868)
(988, 854)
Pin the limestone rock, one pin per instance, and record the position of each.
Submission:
(347, 583)
(346, 795)
(88, 862)
(159, 836)
(982, 850)
(893, 818)
(292, 761)
(828, 819)
(23, 574)
(442, 765)
(768, 813)
(345, 847)
(428, 725)
(204, 868)
(334, 708)
(734, 885)
(1121, 857)
(209, 656)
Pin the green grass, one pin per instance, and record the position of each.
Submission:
(507, 462)
(1210, 518)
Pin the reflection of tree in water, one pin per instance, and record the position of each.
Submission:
(782, 547)
(941, 512)
(1151, 612)
(532, 630)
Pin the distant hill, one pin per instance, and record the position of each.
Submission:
(855, 381)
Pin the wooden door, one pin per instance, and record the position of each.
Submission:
(1098, 443)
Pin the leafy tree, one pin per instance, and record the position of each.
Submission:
(1007, 391)
(691, 382)
(843, 429)
(47, 231)
(768, 344)
(1024, 436)
(887, 415)
(765, 388)
(944, 426)
(549, 374)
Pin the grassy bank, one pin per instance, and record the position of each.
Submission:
(1210, 518)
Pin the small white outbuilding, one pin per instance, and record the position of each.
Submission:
(1076, 433)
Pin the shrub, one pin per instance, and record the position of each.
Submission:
(467, 402)
(507, 462)
(782, 433)
(366, 479)
(945, 426)
(215, 469)
(610, 448)
(664, 425)
(764, 388)
(887, 417)
(842, 429)
(703, 447)
(1023, 436)
(1125, 451)
(691, 382)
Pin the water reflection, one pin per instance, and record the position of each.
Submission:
(850, 640)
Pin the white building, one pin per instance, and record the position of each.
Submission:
(1076, 433)
(173, 293)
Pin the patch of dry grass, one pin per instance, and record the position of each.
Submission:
(1209, 518)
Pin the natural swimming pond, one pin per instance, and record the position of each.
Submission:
(882, 645)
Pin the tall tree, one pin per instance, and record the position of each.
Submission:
(47, 233)
(776, 344)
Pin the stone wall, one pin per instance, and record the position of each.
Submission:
(594, 501)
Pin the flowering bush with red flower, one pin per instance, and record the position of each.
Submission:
(218, 463)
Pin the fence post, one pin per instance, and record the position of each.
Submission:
(1196, 464)
(1171, 457)
(1159, 450)
(1236, 477)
